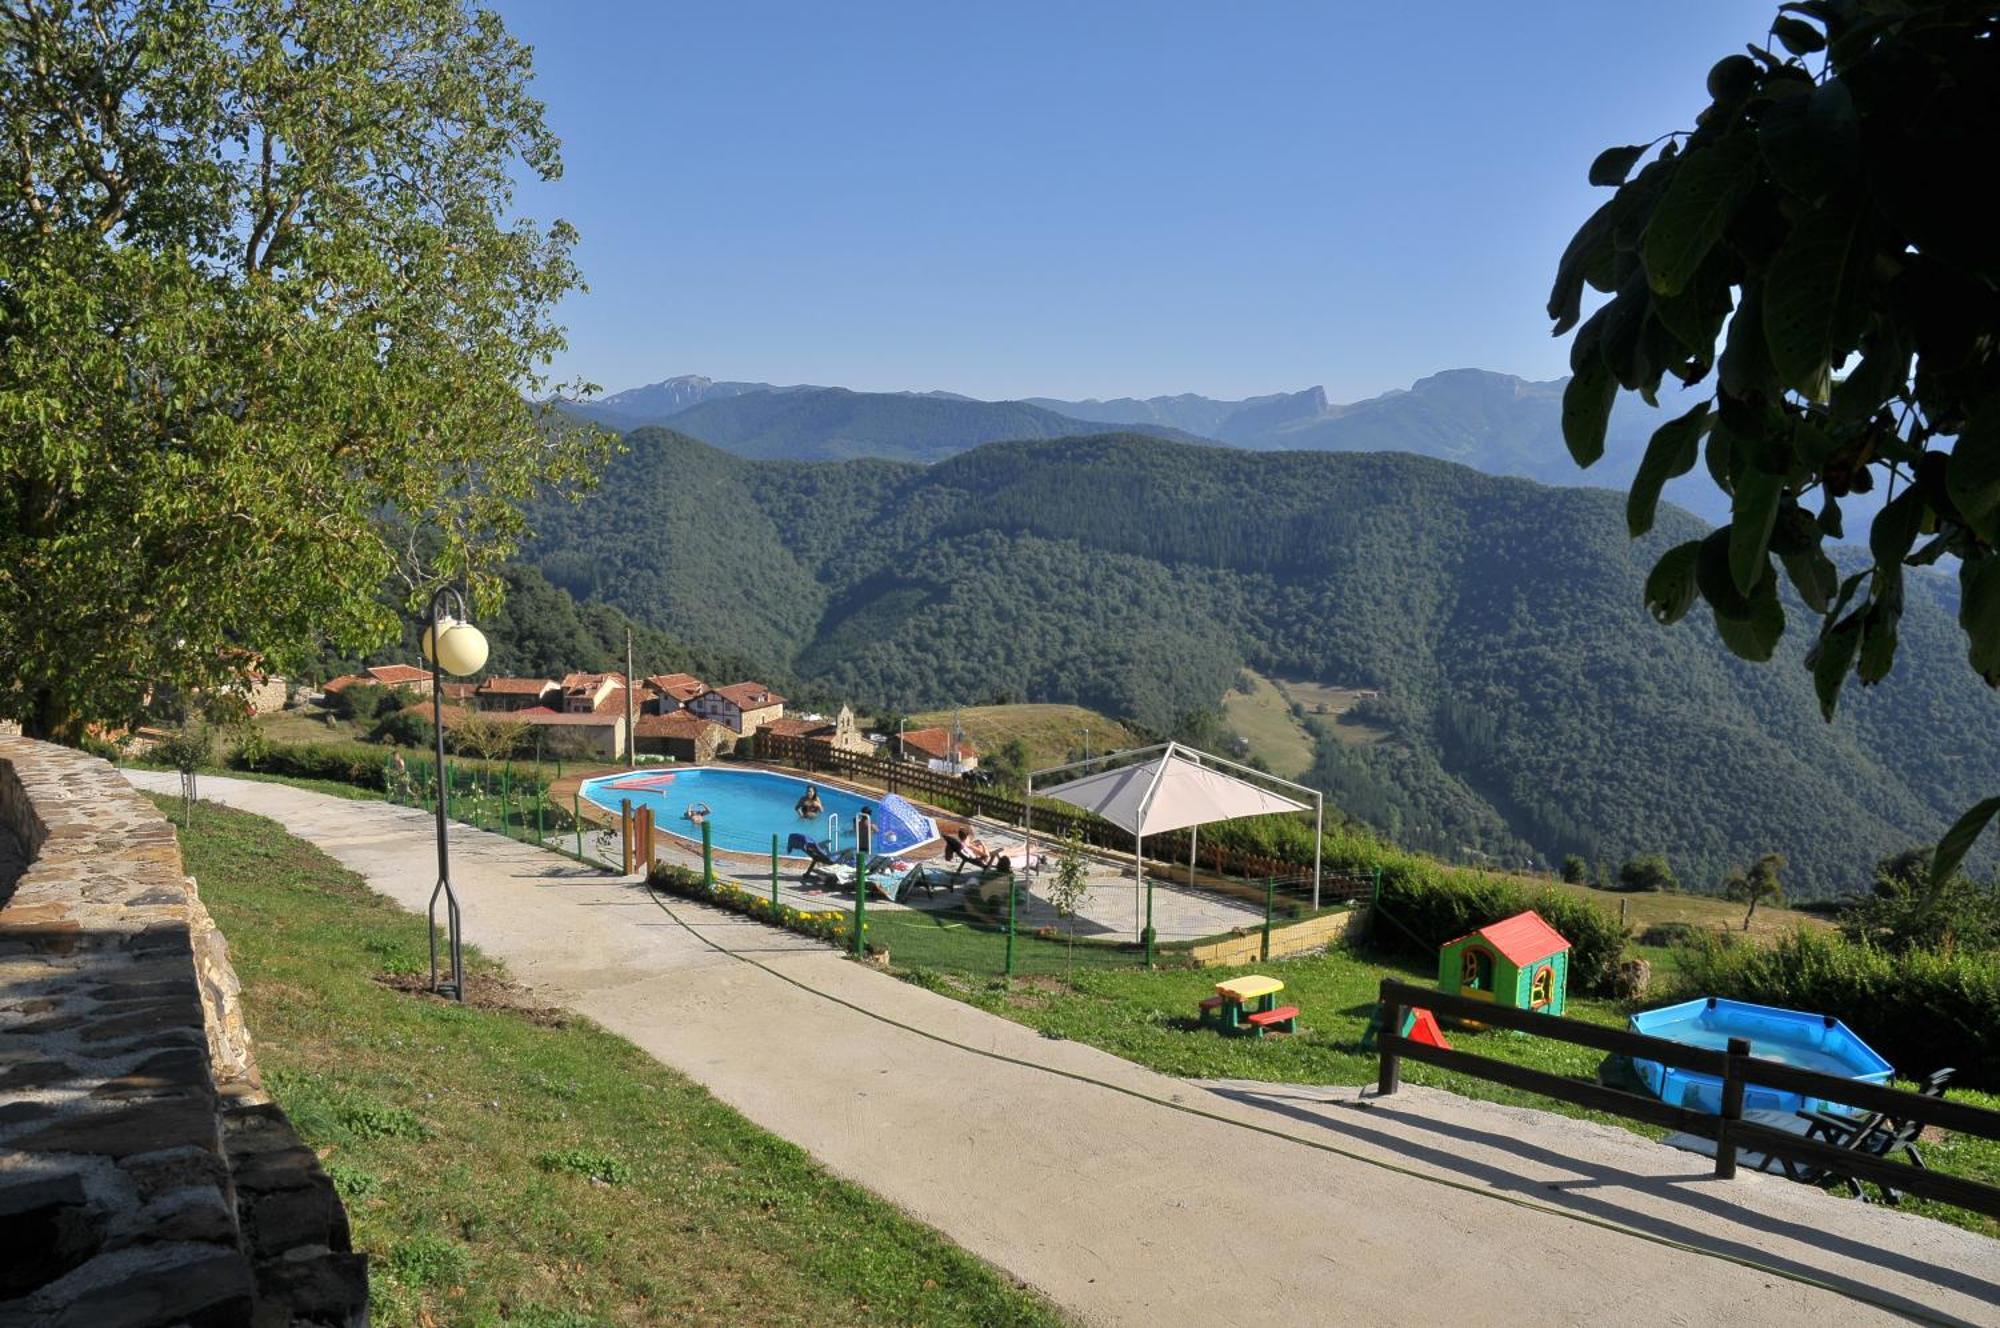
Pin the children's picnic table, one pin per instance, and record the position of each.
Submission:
(1232, 1005)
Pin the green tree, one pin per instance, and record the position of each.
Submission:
(1574, 869)
(1650, 872)
(1756, 886)
(271, 334)
(1068, 888)
(1808, 224)
(187, 750)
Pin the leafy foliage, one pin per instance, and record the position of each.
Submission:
(266, 314)
(1650, 872)
(1808, 214)
(1922, 1009)
(1428, 908)
(1758, 885)
(1529, 711)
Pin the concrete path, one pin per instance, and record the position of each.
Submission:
(1422, 1208)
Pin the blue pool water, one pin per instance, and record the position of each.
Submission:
(747, 807)
(1809, 1041)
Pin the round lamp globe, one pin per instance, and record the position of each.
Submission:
(461, 648)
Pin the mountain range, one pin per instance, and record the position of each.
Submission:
(1493, 422)
(1532, 707)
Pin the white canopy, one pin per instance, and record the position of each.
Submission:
(1170, 792)
(1174, 788)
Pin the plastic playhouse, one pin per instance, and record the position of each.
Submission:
(1520, 961)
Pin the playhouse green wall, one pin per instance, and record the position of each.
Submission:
(1512, 983)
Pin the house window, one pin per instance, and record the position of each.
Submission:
(1475, 970)
(1543, 989)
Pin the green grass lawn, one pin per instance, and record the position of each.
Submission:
(509, 1165)
(1151, 1018)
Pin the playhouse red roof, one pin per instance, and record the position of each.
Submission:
(1523, 938)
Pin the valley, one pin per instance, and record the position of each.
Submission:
(1530, 708)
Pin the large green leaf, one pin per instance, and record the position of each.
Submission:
(1830, 659)
(1958, 840)
(1672, 452)
(1587, 247)
(1614, 164)
(1670, 586)
(1753, 512)
(1973, 480)
(1755, 636)
(1814, 576)
(1694, 212)
(1586, 411)
(1812, 300)
(1979, 614)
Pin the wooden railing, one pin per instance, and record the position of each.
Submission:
(1735, 1067)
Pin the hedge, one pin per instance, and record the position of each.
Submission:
(342, 762)
(1922, 1010)
(832, 925)
(1423, 906)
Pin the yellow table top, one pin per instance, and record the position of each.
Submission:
(1249, 988)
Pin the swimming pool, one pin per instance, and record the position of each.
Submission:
(747, 807)
(1809, 1041)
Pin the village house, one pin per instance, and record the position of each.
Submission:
(601, 735)
(743, 707)
(681, 736)
(841, 733)
(404, 677)
(664, 693)
(263, 694)
(593, 693)
(503, 695)
(933, 748)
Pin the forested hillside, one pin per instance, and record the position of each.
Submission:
(1533, 705)
(832, 423)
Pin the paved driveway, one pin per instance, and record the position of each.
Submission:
(1261, 1205)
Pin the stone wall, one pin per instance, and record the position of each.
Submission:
(145, 1177)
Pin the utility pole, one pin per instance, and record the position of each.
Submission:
(631, 732)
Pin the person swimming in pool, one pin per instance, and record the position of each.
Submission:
(809, 806)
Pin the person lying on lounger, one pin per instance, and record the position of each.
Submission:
(809, 806)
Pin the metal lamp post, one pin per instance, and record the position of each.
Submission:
(452, 645)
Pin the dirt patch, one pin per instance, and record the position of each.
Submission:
(482, 992)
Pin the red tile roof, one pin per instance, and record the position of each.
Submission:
(795, 727)
(749, 695)
(398, 675)
(590, 682)
(661, 682)
(936, 744)
(460, 691)
(344, 681)
(612, 700)
(1523, 938)
(515, 686)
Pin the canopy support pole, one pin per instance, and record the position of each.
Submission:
(1319, 836)
(1194, 838)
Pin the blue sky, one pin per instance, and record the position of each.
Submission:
(1091, 199)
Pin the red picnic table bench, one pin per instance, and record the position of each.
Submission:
(1231, 1006)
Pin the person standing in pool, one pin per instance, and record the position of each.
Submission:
(808, 806)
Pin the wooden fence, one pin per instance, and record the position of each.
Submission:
(963, 796)
(1735, 1067)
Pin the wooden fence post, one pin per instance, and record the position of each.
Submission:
(1732, 1109)
(1391, 1077)
(625, 831)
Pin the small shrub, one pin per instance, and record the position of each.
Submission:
(365, 1118)
(352, 1183)
(587, 1163)
(1921, 1009)
(1426, 905)
(1669, 933)
(428, 1261)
